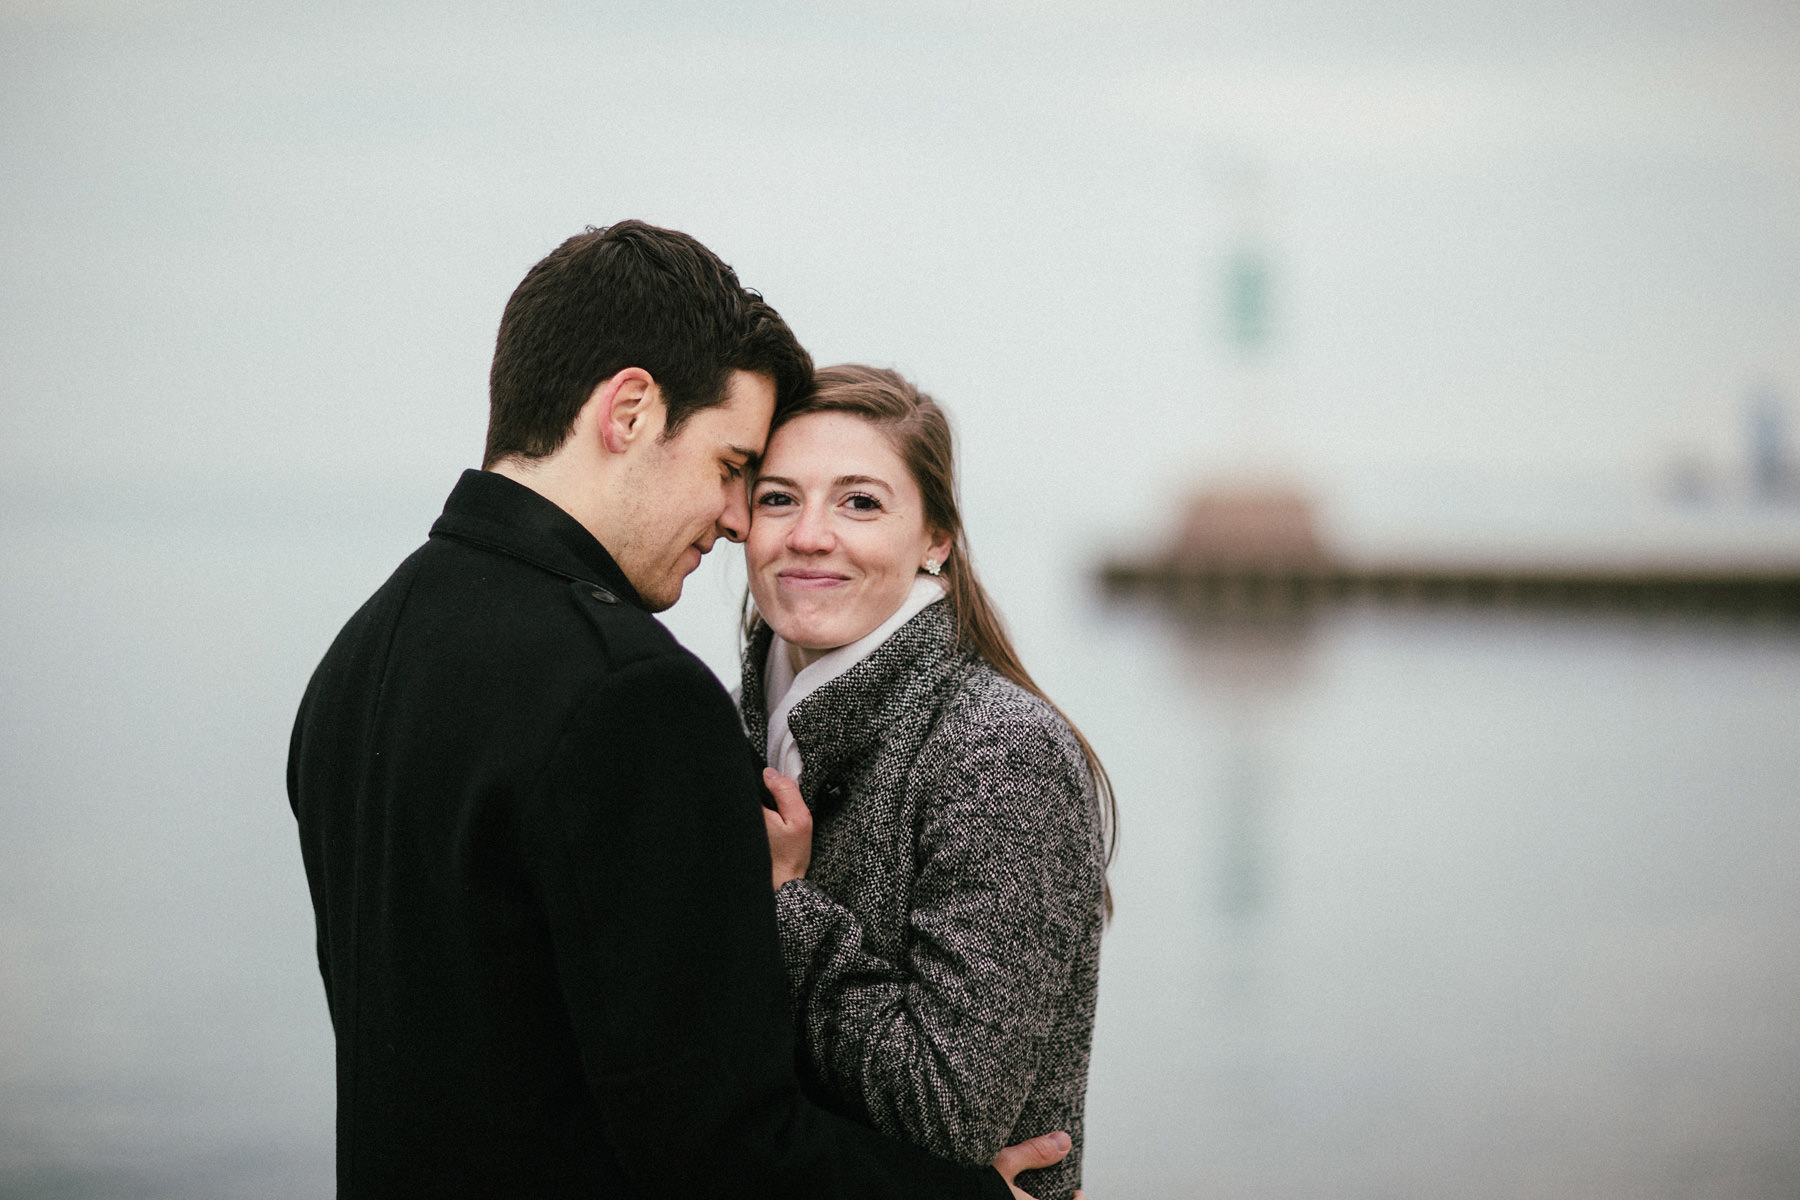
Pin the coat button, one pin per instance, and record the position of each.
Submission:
(604, 596)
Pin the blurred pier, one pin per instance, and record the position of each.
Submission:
(1258, 553)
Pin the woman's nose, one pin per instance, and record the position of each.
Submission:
(810, 532)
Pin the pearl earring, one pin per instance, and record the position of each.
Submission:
(932, 566)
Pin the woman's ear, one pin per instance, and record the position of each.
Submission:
(938, 549)
(624, 409)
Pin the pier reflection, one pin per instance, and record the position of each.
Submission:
(1243, 669)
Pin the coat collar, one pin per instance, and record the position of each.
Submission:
(502, 515)
(880, 700)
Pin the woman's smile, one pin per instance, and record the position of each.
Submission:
(803, 579)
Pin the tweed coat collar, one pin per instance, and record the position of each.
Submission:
(505, 516)
(881, 701)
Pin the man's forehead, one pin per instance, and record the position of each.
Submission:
(736, 428)
(748, 408)
(751, 389)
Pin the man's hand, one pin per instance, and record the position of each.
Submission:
(1045, 1150)
(790, 833)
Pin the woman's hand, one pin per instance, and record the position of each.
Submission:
(790, 828)
(1045, 1150)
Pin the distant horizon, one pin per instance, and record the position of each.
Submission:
(271, 242)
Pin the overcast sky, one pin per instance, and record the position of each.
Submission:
(263, 248)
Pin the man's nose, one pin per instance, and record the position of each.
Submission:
(734, 522)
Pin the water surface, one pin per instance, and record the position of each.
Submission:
(1409, 905)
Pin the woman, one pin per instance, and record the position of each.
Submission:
(941, 924)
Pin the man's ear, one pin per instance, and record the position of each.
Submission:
(624, 409)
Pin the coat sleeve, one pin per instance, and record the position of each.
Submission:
(940, 1044)
(646, 842)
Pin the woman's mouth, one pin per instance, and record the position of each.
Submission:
(809, 580)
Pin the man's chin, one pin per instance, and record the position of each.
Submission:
(663, 594)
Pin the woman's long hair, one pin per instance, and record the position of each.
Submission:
(920, 432)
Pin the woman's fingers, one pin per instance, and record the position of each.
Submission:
(787, 798)
(789, 828)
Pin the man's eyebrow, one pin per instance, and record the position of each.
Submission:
(750, 457)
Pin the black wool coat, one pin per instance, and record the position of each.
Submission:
(531, 830)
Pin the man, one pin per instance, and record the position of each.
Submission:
(530, 823)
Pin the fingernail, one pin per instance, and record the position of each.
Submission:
(1061, 1139)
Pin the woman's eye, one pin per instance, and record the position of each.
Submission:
(863, 502)
(774, 500)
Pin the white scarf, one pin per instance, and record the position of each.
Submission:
(783, 689)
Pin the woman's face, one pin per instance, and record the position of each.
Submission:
(837, 532)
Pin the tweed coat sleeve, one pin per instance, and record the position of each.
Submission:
(942, 1038)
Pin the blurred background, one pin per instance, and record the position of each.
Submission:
(1412, 901)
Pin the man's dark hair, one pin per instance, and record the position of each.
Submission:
(629, 295)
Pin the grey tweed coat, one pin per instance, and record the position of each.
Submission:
(943, 950)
